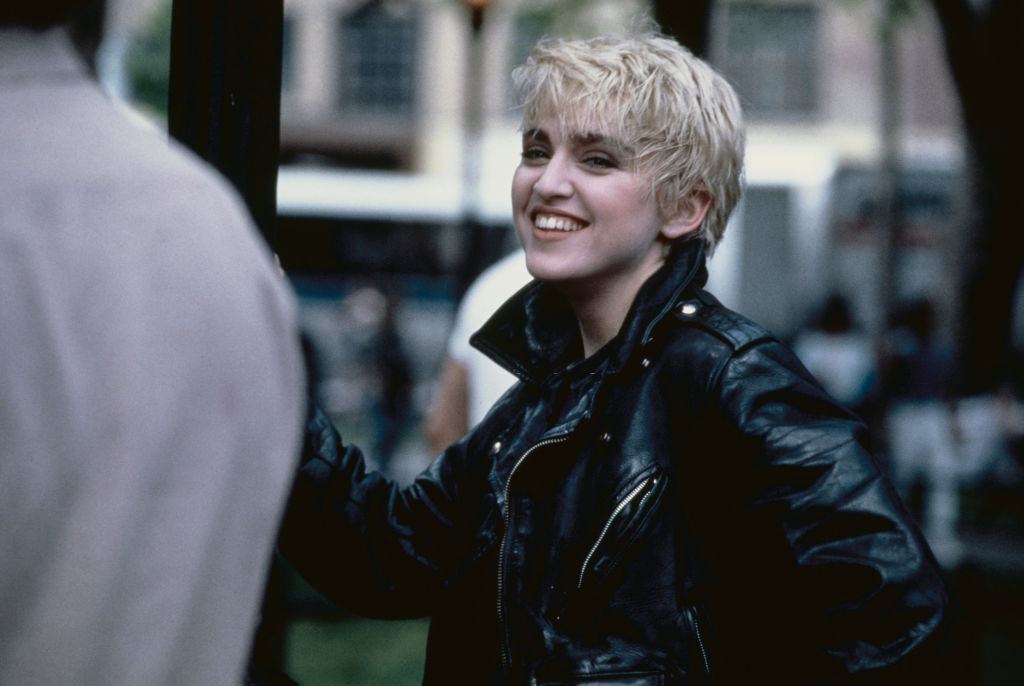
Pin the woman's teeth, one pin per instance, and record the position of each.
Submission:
(552, 223)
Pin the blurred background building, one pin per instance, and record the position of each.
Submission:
(399, 139)
(382, 85)
(375, 99)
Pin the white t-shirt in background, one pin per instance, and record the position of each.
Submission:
(495, 285)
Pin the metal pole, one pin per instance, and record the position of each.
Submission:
(224, 103)
(225, 92)
(889, 214)
(473, 118)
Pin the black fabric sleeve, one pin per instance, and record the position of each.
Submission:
(365, 543)
(852, 590)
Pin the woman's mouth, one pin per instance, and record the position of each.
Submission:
(556, 222)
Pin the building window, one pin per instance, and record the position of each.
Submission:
(377, 58)
(768, 53)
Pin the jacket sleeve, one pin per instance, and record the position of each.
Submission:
(361, 540)
(833, 555)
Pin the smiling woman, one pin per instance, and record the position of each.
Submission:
(666, 116)
(590, 224)
(604, 189)
(666, 496)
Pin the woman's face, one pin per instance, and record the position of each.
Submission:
(587, 222)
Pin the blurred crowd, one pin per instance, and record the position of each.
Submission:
(935, 443)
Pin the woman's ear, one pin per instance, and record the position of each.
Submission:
(690, 215)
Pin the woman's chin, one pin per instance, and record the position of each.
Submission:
(548, 270)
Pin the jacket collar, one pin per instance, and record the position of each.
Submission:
(534, 334)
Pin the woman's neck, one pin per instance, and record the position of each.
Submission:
(598, 325)
(601, 312)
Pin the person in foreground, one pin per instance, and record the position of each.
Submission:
(666, 496)
(151, 388)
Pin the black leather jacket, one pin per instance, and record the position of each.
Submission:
(685, 506)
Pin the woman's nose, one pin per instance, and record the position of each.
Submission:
(555, 180)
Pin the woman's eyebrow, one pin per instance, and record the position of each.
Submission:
(538, 135)
(594, 138)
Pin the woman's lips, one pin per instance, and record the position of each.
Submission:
(556, 222)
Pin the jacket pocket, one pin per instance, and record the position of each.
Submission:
(612, 679)
(622, 526)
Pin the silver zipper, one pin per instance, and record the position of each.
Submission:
(506, 516)
(700, 641)
(608, 525)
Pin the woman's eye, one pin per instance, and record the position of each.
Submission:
(534, 153)
(600, 162)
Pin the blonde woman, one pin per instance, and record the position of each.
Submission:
(666, 496)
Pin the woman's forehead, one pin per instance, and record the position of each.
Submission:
(583, 125)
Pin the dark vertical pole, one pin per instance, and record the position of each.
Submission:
(980, 39)
(225, 93)
(688, 22)
(86, 27)
(225, 104)
(889, 210)
(473, 122)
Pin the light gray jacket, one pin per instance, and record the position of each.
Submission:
(150, 393)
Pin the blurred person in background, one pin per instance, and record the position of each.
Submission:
(840, 355)
(665, 495)
(151, 397)
(470, 382)
(922, 423)
(394, 398)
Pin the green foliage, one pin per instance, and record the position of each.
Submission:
(356, 652)
(899, 11)
(896, 11)
(552, 17)
(567, 17)
(148, 61)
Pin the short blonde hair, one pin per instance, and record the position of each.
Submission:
(680, 120)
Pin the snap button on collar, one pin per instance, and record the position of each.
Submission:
(689, 309)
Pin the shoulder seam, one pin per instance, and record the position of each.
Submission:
(731, 327)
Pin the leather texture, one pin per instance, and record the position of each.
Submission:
(686, 506)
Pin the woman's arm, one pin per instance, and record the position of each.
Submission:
(836, 558)
(365, 543)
